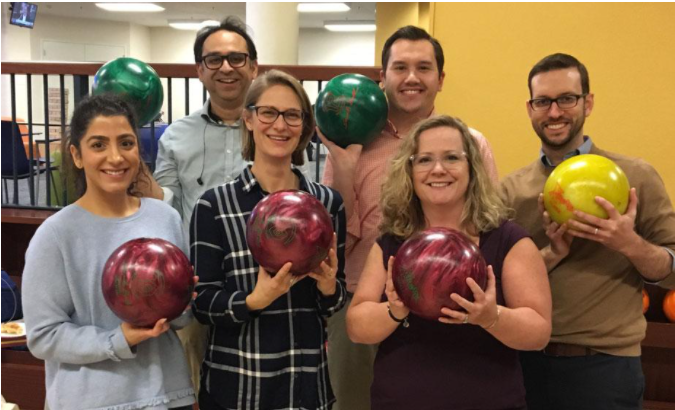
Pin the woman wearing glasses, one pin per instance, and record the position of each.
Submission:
(266, 344)
(467, 359)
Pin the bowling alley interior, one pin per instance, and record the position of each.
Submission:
(54, 56)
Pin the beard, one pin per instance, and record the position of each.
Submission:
(576, 127)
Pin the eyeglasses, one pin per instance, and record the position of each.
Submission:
(215, 61)
(426, 162)
(564, 102)
(268, 115)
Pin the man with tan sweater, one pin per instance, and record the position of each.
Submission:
(597, 267)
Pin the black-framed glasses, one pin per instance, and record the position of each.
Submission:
(215, 61)
(564, 102)
(267, 115)
(449, 160)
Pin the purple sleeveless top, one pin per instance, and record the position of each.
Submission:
(434, 366)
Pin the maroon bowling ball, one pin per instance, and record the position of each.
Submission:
(145, 280)
(289, 226)
(433, 264)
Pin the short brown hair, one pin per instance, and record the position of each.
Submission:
(260, 85)
(560, 61)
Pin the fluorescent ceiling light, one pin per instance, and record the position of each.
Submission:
(322, 7)
(350, 25)
(130, 7)
(192, 24)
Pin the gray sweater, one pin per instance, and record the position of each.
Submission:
(88, 363)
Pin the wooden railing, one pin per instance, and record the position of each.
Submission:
(302, 73)
(177, 78)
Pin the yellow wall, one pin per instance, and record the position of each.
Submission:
(389, 17)
(628, 48)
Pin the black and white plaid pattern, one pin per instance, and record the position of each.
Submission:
(269, 359)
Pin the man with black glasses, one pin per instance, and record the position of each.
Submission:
(203, 150)
(597, 267)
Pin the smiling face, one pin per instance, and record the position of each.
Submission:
(441, 185)
(411, 79)
(227, 86)
(278, 140)
(559, 130)
(108, 155)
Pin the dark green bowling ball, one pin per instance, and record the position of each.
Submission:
(351, 109)
(134, 81)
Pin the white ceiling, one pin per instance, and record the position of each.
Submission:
(196, 11)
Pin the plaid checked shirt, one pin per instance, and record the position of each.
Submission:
(269, 359)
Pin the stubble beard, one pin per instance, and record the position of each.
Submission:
(575, 130)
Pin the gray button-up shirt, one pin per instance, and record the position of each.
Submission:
(195, 148)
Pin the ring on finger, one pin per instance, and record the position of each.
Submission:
(596, 231)
(292, 281)
(466, 319)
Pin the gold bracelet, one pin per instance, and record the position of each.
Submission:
(496, 320)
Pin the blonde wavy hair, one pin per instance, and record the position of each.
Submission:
(402, 213)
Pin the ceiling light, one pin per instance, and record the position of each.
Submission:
(322, 7)
(130, 7)
(192, 24)
(350, 25)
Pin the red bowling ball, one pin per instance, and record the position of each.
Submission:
(433, 264)
(289, 226)
(145, 280)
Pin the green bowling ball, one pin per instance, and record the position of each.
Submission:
(351, 109)
(134, 81)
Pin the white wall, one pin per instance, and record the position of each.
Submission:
(78, 31)
(323, 47)
(140, 42)
(171, 46)
(168, 45)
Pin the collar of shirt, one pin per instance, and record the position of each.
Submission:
(390, 128)
(251, 183)
(584, 148)
(212, 118)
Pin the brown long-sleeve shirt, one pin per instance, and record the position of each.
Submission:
(596, 291)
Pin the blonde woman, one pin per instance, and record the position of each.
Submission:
(467, 359)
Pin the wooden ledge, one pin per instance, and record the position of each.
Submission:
(25, 216)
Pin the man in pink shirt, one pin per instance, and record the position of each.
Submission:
(412, 74)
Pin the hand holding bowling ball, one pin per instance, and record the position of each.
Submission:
(326, 272)
(558, 235)
(433, 264)
(135, 334)
(396, 306)
(269, 288)
(145, 280)
(351, 109)
(574, 184)
(289, 226)
(135, 82)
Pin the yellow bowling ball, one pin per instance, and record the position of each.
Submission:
(574, 184)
